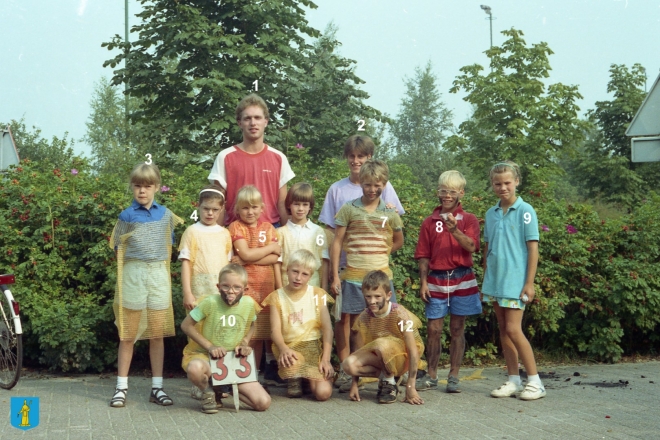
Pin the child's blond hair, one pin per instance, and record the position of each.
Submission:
(303, 258)
(374, 171)
(452, 179)
(144, 174)
(248, 195)
(235, 269)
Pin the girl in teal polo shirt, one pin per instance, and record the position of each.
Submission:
(511, 236)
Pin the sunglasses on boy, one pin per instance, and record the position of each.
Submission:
(446, 192)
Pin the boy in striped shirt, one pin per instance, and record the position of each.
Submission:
(368, 232)
(447, 239)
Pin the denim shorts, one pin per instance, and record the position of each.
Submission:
(438, 308)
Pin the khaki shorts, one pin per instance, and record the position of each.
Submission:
(146, 285)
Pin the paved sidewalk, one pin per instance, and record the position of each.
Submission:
(611, 401)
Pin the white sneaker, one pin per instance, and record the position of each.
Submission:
(532, 391)
(509, 389)
(196, 393)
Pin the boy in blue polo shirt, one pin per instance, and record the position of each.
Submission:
(511, 236)
(142, 239)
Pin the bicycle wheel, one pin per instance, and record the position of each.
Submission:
(11, 347)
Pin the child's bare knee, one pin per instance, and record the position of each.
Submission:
(349, 365)
(261, 403)
(323, 394)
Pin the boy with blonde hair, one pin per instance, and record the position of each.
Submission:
(302, 330)
(142, 239)
(447, 239)
(221, 334)
(368, 232)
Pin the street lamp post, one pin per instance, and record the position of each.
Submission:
(488, 11)
(126, 57)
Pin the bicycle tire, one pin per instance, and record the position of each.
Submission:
(11, 347)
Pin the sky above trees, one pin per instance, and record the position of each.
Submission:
(52, 53)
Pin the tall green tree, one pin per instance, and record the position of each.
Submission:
(324, 106)
(421, 127)
(604, 170)
(193, 61)
(515, 115)
(109, 131)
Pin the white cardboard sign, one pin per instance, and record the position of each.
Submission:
(230, 369)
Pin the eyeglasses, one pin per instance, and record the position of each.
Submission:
(234, 289)
(444, 192)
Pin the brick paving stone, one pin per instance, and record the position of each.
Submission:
(76, 407)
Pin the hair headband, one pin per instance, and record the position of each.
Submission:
(212, 190)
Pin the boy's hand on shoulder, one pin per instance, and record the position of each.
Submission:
(412, 397)
(216, 352)
(392, 206)
(188, 301)
(288, 358)
(354, 393)
(325, 368)
(243, 350)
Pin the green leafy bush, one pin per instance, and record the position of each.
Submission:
(598, 282)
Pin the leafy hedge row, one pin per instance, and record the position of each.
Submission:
(597, 284)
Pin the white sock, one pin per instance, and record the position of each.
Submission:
(270, 357)
(390, 380)
(534, 378)
(122, 383)
(157, 382)
(516, 380)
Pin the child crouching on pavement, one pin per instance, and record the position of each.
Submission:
(220, 335)
(388, 343)
(302, 330)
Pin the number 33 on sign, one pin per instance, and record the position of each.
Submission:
(233, 370)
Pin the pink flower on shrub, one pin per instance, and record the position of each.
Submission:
(164, 188)
(571, 229)
(299, 146)
(74, 172)
(545, 228)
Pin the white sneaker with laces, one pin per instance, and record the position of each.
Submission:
(509, 389)
(532, 391)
